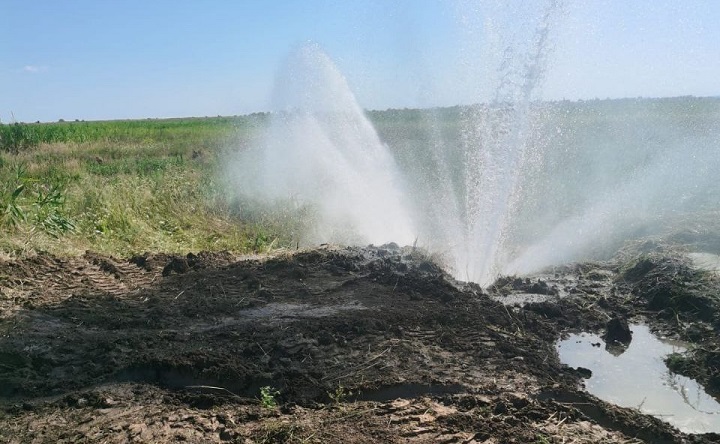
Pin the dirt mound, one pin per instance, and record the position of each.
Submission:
(372, 344)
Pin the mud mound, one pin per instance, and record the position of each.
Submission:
(669, 284)
(162, 348)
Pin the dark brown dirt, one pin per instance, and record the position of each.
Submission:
(372, 344)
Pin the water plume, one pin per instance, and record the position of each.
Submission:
(644, 167)
(476, 201)
(321, 152)
(502, 184)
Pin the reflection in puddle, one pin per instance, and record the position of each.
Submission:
(638, 378)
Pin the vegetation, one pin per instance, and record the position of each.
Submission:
(180, 133)
(268, 397)
(124, 187)
(280, 432)
(340, 394)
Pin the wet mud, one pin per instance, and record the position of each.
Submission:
(349, 345)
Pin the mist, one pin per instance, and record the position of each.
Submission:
(507, 185)
(321, 154)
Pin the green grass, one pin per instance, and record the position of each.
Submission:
(177, 134)
(125, 187)
(268, 397)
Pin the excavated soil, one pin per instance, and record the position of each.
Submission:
(353, 345)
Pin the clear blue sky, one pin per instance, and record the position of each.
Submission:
(99, 59)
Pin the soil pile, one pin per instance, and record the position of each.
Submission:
(373, 344)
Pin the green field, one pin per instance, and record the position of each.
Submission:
(127, 186)
(122, 187)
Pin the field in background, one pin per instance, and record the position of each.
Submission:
(122, 187)
(603, 171)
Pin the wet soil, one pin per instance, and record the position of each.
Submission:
(348, 345)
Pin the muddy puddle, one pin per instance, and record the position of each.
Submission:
(637, 377)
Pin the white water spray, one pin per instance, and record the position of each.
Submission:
(650, 172)
(477, 207)
(503, 185)
(321, 152)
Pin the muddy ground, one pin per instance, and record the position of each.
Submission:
(346, 345)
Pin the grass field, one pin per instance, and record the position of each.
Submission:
(122, 187)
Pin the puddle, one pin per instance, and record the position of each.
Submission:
(638, 378)
(706, 261)
(187, 378)
(409, 391)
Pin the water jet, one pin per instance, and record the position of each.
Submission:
(503, 184)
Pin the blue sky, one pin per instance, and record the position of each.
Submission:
(133, 59)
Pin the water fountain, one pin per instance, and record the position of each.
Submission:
(321, 152)
(467, 216)
(504, 184)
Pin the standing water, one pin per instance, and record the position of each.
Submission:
(638, 378)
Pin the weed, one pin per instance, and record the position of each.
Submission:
(13, 214)
(28, 200)
(340, 394)
(542, 439)
(268, 396)
(49, 211)
(277, 432)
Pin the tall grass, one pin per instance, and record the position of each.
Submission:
(180, 133)
(124, 187)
